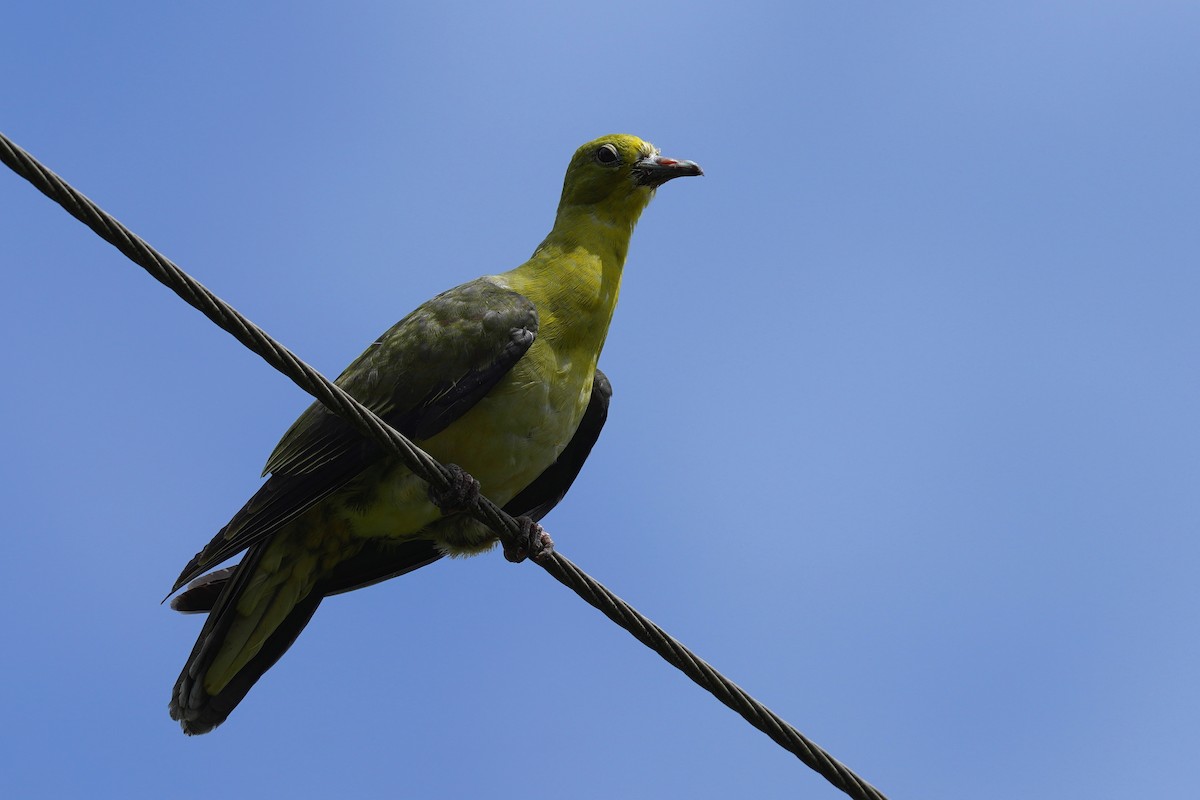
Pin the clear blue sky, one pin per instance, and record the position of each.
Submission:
(904, 437)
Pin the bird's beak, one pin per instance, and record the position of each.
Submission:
(656, 170)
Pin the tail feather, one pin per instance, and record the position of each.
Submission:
(198, 710)
(201, 594)
(220, 593)
(221, 645)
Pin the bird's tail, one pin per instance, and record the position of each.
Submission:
(252, 622)
(234, 599)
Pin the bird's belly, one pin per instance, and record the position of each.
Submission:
(510, 436)
(505, 441)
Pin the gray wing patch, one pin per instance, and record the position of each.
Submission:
(421, 375)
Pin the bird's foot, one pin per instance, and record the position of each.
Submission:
(460, 495)
(532, 542)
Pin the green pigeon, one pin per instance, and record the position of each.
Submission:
(497, 376)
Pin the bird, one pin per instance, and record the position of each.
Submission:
(496, 378)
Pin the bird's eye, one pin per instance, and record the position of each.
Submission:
(607, 154)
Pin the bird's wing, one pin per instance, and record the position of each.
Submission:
(420, 376)
(382, 560)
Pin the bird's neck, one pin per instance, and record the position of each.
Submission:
(576, 271)
(592, 230)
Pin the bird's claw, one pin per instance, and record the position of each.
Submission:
(532, 542)
(460, 495)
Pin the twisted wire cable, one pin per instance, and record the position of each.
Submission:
(428, 468)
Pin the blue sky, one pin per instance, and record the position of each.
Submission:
(904, 432)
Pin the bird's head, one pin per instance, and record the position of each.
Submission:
(616, 176)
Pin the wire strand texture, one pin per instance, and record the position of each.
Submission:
(428, 468)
